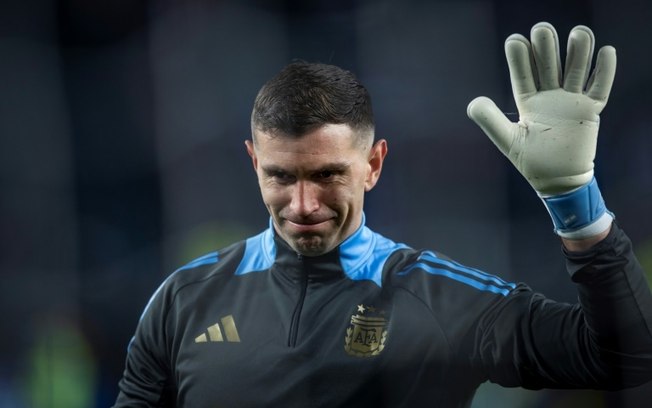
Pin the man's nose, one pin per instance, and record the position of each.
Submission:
(305, 198)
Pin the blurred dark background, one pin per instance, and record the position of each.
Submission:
(121, 157)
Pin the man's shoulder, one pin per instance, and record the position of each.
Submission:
(431, 267)
(211, 265)
(209, 272)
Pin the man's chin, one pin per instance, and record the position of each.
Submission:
(310, 246)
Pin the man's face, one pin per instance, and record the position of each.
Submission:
(314, 185)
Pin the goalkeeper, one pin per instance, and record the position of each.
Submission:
(320, 311)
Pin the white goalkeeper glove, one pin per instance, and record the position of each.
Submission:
(554, 142)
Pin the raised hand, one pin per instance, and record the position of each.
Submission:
(554, 142)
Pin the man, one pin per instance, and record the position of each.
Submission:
(320, 311)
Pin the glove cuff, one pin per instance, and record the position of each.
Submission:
(580, 213)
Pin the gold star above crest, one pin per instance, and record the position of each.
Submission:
(361, 308)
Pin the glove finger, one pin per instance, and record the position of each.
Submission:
(545, 48)
(578, 58)
(484, 112)
(599, 85)
(519, 60)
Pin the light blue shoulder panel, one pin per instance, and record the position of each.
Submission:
(260, 253)
(363, 255)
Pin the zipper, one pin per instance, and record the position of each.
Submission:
(296, 315)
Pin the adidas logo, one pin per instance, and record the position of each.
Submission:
(214, 332)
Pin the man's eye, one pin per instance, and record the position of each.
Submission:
(326, 174)
(282, 177)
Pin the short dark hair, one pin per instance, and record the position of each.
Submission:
(305, 96)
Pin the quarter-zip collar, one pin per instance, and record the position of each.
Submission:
(299, 267)
(339, 262)
(360, 257)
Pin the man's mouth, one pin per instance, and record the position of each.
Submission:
(306, 225)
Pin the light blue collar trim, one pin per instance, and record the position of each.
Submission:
(364, 253)
(260, 252)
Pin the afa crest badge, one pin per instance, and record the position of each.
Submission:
(367, 333)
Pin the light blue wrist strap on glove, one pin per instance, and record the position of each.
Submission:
(580, 213)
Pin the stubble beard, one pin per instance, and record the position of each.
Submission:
(310, 245)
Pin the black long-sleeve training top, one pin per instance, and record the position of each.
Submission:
(379, 324)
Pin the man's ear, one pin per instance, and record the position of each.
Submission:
(376, 157)
(252, 153)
